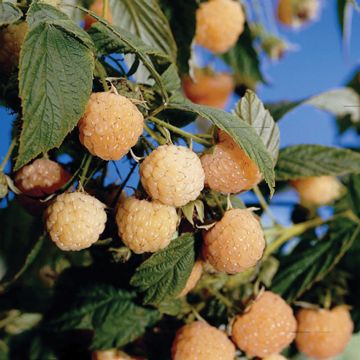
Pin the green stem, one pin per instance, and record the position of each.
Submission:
(101, 72)
(85, 169)
(8, 154)
(105, 8)
(154, 135)
(217, 201)
(264, 204)
(180, 132)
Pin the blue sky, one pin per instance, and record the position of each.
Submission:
(318, 64)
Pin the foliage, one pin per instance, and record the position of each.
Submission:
(57, 305)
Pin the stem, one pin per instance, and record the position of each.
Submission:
(105, 8)
(101, 72)
(264, 204)
(154, 135)
(156, 111)
(85, 169)
(218, 203)
(8, 154)
(180, 132)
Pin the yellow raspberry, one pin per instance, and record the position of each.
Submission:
(97, 7)
(112, 354)
(3, 185)
(266, 328)
(146, 226)
(211, 89)
(200, 341)
(296, 13)
(228, 169)
(318, 191)
(323, 334)
(274, 357)
(235, 243)
(111, 125)
(173, 175)
(193, 279)
(219, 23)
(11, 40)
(75, 220)
(42, 177)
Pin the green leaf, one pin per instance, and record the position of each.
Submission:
(242, 133)
(340, 102)
(244, 61)
(9, 13)
(303, 161)
(183, 28)
(302, 269)
(145, 20)
(55, 81)
(109, 39)
(17, 249)
(110, 312)
(251, 109)
(165, 273)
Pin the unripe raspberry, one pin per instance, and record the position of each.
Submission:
(173, 175)
(145, 226)
(318, 191)
(200, 341)
(235, 243)
(11, 40)
(75, 220)
(111, 125)
(323, 334)
(296, 13)
(209, 89)
(193, 279)
(228, 169)
(41, 178)
(219, 23)
(266, 328)
(97, 8)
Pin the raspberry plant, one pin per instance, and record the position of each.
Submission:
(180, 265)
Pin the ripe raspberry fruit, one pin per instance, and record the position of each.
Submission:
(75, 220)
(228, 169)
(3, 185)
(296, 13)
(219, 24)
(11, 40)
(274, 357)
(111, 125)
(211, 89)
(266, 328)
(235, 243)
(173, 175)
(193, 279)
(112, 354)
(318, 191)
(323, 334)
(41, 178)
(97, 8)
(146, 226)
(200, 341)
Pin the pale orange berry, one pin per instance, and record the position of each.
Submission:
(323, 334)
(110, 126)
(208, 89)
(235, 243)
(219, 23)
(193, 279)
(266, 328)
(97, 7)
(200, 341)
